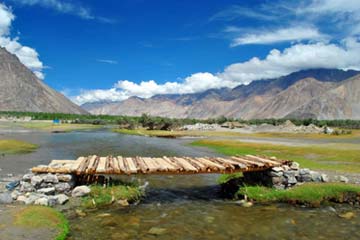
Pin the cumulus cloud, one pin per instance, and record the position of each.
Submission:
(60, 6)
(27, 55)
(279, 35)
(277, 63)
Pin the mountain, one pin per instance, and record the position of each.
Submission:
(21, 90)
(316, 93)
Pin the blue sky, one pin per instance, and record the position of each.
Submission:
(111, 50)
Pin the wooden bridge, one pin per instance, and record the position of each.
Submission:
(95, 165)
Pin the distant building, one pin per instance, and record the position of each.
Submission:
(56, 121)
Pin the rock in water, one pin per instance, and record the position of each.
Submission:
(80, 191)
(157, 231)
(347, 215)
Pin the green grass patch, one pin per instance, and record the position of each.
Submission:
(320, 157)
(15, 146)
(43, 217)
(103, 196)
(307, 193)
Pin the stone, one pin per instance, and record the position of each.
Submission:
(244, 203)
(62, 187)
(315, 176)
(27, 177)
(295, 166)
(15, 194)
(5, 198)
(276, 180)
(157, 231)
(304, 171)
(50, 178)
(36, 181)
(347, 215)
(123, 202)
(26, 187)
(52, 201)
(275, 174)
(47, 191)
(277, 169)
(343, 179)
(65, 178)
(324, 178)
(80, 191)
(305, 178)
(32, 198)
(42, 201)
(80, 213)
(62, 199)
(21, 199)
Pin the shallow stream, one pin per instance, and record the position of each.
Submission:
(176, 207)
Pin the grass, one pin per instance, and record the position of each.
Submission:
(331, 157)
(163, 133)
(103, 196)
(311, 193)
(224, 178)
(49, 126)
(43, 217)
(10, 146)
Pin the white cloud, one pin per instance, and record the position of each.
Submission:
(279, 35)
(108, 61)
(275, 64)
(60, 6)
(28, 56)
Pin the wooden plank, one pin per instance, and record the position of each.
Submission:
(185, 164)
(212, 165)
(200, 166)
(151, 164)
(101, 167)
(76, 164)
(263, 160)
(231, 162)
(122, 166)
(91, 168)
(116, 165)
(110, 165)
(131, 165)
(144, 168)
(248, 162)
(174, 164)
(166, 166)
(82, 166)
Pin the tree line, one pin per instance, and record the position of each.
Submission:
(163, 123)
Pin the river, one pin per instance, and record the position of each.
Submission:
(176, 207)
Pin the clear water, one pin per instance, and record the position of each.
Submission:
(180, 207)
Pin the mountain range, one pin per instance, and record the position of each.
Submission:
(313, 93)
(22, 91)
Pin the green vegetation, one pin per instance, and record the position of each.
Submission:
(16, 146)
(102, 196)
(310, 193)
(43, 217)
(160, 123)
(339, 157)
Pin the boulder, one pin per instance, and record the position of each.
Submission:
(15, 194)
(21, 199)
(5, 198)
(50, 178)
(47, 191)
(275, 174)
(62, 187)
(80, 191)
(27, 177)
(295, 166)
(315, 176)
(42, 201)
(277, 169)
(343, 179)
(61, 199)
(324, 178)
(304, 171)
(65, 178)
(36, 181)
(26, 187)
